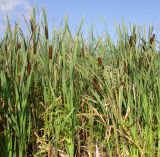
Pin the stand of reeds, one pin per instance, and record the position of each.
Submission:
(64, 95)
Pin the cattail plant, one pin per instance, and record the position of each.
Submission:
(18, 46)
(34, 48)
(132, 40)
(100, 61)
(28, 67)
(152, 40)
(57, 98)
(46, 33)
(50, 52)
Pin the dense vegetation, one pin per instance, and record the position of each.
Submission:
(63, 95)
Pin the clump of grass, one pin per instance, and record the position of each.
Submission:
(62, 95)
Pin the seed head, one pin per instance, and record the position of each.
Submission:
(46, 32)
(99, 61)
(34, 48)
(132, 40)
(28, 67)
(18, 46)
(6, 48)
(50, 52)
(152, 39)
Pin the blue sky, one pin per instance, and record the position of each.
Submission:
(98, 13)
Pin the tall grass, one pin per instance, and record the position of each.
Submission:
(63, 95)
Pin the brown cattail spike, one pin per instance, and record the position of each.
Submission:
(99, 61)
(46, 32)
(34, 48)
(50, 52)
(132, 40)
(152, 39)
(6, 49)
(18, 46)
(29, 68)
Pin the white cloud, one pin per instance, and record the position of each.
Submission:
(11, 5)
(15, 10)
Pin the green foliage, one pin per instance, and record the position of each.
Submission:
(63, 95)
